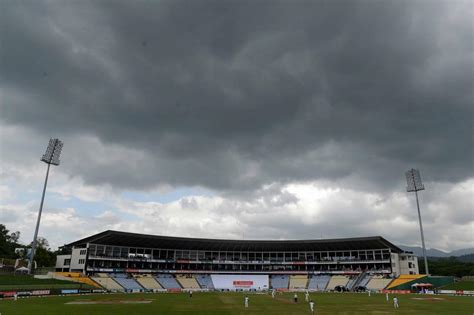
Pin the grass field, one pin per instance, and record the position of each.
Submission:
(232, 304)
(462, 285)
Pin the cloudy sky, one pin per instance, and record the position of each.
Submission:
(238, 119)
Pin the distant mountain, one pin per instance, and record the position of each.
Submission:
(466, 258)
(462, 252)
(418, 251)
(433, 252)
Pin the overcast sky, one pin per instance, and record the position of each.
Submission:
(238, 119)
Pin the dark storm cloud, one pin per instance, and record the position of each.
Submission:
(236, 94)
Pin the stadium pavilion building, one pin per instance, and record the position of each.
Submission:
(113, 251)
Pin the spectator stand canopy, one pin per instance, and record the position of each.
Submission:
(118, 238)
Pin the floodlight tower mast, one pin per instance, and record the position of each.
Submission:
(414, 184)
(50, 157)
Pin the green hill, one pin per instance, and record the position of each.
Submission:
(8, 282)
(461, 285)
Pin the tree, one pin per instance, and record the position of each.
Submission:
(15, 236)
(3, 233)
(450, 266)
(8, 242)
(42, 242)
(44, 257)
(4, 247)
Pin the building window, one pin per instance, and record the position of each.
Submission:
(82, 261)
(82, 252)
(67, 262)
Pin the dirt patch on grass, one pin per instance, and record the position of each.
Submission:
(284, 300)
(428, 299)
(227, 299)
(92, 302)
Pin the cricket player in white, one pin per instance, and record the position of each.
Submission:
(311, 306)
(246, 301)
(386, 297)
(369, 292)
(395, 302)
(273, 293)
(306, 296)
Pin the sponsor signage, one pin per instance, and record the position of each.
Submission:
(24, 293)
(40, 292)
(140, 270)
(243, 283)
(69, 291)
(183, 261)
(8, 293)
(174, 290)
(98, 291)
(104, 269)
(456, 292)
(447, 291)
(239, 282)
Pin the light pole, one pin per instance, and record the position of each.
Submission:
(414, 184)
(50, 157)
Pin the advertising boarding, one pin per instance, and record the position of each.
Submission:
(240, 282)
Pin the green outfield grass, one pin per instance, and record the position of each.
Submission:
(461, 285)
(232, 304)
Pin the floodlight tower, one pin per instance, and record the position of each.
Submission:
(50, 157)
(414, 184)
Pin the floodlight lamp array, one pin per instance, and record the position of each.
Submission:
(414, 182)
(53, 152)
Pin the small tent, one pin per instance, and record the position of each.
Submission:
(421, 287)
(21, 270)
